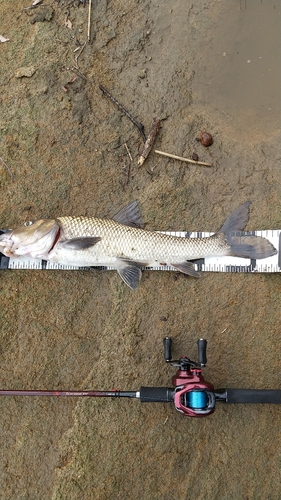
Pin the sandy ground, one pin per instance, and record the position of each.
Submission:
(64, 143)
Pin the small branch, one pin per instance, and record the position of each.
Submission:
(89, 20)
(204, 164)
(129, 168)
(36, 5)
(128, 151)
(77, 72)
(133, 120)
(8, 168)
(149, 141)
(79, 54)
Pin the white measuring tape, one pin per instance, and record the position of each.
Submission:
(209, 264)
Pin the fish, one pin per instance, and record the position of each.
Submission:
(123, 243)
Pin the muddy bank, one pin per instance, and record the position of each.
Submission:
(65, 145)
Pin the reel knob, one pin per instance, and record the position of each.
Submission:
(167, 349)
(202, 347)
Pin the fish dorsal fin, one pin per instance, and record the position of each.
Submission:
(130, 215)
(237, 221)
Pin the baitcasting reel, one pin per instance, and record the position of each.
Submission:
(192, 394)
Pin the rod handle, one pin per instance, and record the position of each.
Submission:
(156, 395)
(254, 396)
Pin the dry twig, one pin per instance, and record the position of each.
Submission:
(135, 122)
(8, 168)
(89, 20)
(149, 141)
(35, 4)
(204, 164)
(128, 151)
(129, 167)
(77, 72)
(79, 54)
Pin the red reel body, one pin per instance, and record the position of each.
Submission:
(194, 396)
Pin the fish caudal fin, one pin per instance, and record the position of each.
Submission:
(251, 247)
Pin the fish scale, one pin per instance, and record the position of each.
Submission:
(144, 246)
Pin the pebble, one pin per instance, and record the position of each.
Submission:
(27, 71)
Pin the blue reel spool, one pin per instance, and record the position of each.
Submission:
(197, 400)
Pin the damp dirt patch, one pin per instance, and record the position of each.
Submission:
(70, 151)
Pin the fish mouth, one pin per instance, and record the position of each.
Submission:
(55, 240)
(6, 242)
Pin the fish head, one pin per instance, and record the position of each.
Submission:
(32, 239)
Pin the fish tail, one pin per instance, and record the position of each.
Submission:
(252, 247)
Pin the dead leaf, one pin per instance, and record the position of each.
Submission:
(36, 2)
(3, 39)
(68, 24)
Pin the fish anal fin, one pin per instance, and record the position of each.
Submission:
(186, 268)
(81, 243)
(130, 215)
(238, 220)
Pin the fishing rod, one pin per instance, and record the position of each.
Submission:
(191, 394)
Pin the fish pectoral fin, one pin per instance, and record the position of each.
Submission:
(130, 272)
(130, 215)
(187, 268)
(80, 243)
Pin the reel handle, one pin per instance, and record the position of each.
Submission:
(202, 355)
(202, 347)
(167, 349)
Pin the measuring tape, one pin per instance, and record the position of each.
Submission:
(209, 264)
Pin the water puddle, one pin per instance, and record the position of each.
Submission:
(240, 69)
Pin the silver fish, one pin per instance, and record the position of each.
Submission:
(122, 243)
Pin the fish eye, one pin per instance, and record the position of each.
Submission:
(28, 223)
